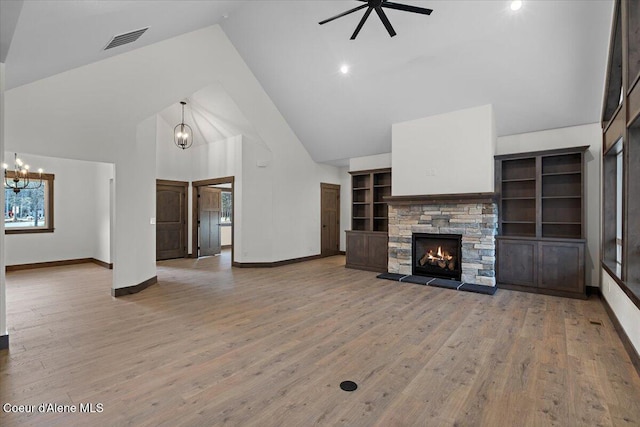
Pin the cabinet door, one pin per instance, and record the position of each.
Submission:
(517, 262)
(561, 266)
(357, 249)
(378, 251)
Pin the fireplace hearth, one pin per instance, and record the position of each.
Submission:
(437, 255)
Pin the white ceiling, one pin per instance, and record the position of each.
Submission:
(541, 68)
(213, 116)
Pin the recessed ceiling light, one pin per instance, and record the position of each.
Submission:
(516, 4)
(344, 69)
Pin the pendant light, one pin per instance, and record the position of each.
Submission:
(183, 135)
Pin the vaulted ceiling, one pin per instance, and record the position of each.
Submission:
(541, 67)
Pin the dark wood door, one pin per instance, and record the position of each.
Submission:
(171, 220)
(209, 207)
(330, 219)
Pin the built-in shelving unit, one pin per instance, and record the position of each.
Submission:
(367, 241)
(541, 207)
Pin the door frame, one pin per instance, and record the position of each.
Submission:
(185, 185)
(324, 185)
(195, 211)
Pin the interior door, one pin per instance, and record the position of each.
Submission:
(209, 207)
(171, 220)
(330, 219)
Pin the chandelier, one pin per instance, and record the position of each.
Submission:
(20, 178)
(183, 135)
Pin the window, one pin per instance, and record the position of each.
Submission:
(619, 178)
(613, 213)
(30, 210)
(226, 216)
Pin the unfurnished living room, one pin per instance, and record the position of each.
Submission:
(293, 213)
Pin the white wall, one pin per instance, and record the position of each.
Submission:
(134, 257)
(443, 154)
(573, 136)
(624, 309)
(109, 102)
(172, 163)
(103, 211)
(80, 208)
(225, 236)
(3, 294)
(377, 161)
(206, 160)
(276, 189)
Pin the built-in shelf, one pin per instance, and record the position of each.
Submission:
(561, 222)
(368, 238)
(561, 173)
(561, 197)
(541, 230)
(519, 180)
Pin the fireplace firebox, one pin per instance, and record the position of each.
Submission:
(437, 255)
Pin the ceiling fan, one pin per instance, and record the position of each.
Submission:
(377, 5)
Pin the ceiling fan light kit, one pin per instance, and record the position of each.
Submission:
(378, 6)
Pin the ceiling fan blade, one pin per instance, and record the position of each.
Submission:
(355, 9)
(385, 21)
(407, 8)
(362, 21)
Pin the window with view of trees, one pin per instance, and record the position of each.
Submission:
(226, 216)
(29, 210)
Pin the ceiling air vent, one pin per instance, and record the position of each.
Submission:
(125, 38)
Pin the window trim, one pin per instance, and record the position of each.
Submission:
(49, 178)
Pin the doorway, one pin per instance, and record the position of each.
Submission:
(171, 219)
(329, 219)
(213, 211)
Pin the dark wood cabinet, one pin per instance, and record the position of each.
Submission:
(518, 260)
(555, 267)
(367, 250)
(367, 242)
(561, 266)
(541, 227)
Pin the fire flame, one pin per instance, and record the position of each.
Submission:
(440, 255)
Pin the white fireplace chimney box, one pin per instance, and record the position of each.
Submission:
(444, 154)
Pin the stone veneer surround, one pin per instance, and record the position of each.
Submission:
(476, 221)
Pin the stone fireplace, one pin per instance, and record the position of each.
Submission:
(473, 217)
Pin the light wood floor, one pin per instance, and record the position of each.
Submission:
(268, 347)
